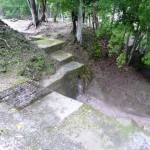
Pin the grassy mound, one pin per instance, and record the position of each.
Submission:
(18, 56)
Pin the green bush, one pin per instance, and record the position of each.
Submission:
(146, 59)
(96, 51)
(121, 60)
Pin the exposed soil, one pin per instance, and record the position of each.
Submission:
(117, 92)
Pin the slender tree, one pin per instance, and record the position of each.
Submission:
(34, 12)
(95, 18)
(80, 23)
(74, 15)
(44, 6)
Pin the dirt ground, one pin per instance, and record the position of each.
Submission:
(124, 91)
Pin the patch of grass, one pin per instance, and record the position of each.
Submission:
(19, 57)
(36, 67)
(126, 129)
(20, 81)
(49, 42)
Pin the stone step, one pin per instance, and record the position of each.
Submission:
(49, 45)
(50, 110)
(65, 80)
(36, 37)
(60, 58)
(31, 127)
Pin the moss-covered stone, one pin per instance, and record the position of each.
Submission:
(49, 45)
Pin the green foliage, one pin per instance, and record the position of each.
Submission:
(69, 5)
(121, 20)
(146, 59)
(14, 8)
(96, 51)
(121, 60)
(117, 37)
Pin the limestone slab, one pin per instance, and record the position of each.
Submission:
(60, 58)
(49, 45)
(37, 37)
(29, 129)
(65, 80)
(52, 109)
(61, 72)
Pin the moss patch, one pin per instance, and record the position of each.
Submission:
(89, 119)
(46, 42)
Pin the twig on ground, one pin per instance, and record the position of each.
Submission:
(6, 43)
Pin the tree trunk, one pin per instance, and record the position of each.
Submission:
(55, 18)
(44, 4)
(112, 17)
(74, 19)
(84, 15)
(80, 24)
(34, 12)
(56, 12)
(62, 18)
(89, 20)
(127, 47)
(95, 18)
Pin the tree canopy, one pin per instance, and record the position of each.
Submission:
(125, 23)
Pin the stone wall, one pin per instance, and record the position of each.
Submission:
(21, 95)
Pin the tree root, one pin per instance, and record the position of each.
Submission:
(37, 25)
(29, 26)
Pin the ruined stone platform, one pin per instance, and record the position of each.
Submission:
(56, 122)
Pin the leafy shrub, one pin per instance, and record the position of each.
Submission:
(121, 60)
(96, 51)
(146, 59)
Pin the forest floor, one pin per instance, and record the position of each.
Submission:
(122, 94)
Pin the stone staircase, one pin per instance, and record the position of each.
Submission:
(60, 58)
(28, 111)
(64, 81)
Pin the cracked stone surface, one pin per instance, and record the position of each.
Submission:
(59, 123)
(30, 128)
